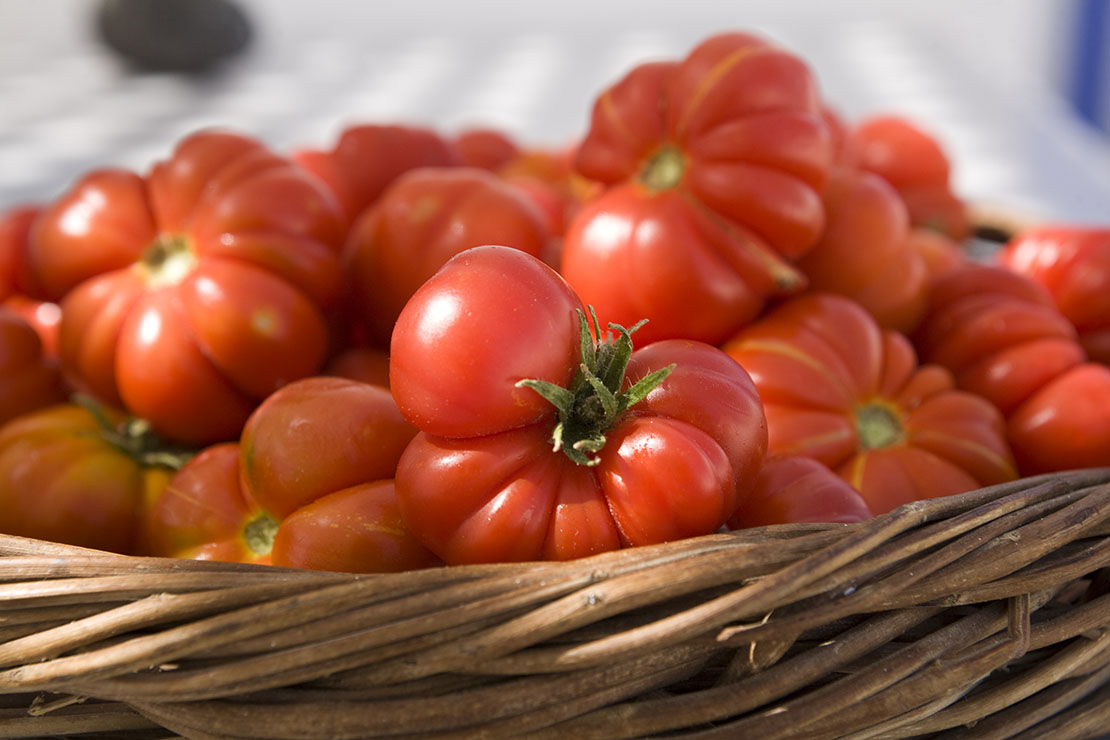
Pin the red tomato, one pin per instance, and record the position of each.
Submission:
(424, 218)
(838, 388)
(793, 488)
(366, 158)
(67, 476)
(715, 166)
(913, 161)
(308, 486)
(16, 276)
(365, 364)
(487, 148)
(1002, 337)
(940, 253)
(230, 255)
(1073, 264)
(629, 473)
(29, 379)
(865, 253)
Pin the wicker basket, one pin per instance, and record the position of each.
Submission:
(983, 615)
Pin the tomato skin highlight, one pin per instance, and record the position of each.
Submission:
(793, 488)
(492, 316)
(668, 466)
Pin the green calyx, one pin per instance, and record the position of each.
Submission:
(259, 534)
(135, 438)
(877, 426)
(594, 401)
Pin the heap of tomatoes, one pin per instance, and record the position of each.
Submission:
(722, 306)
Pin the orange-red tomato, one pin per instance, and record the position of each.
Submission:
(914, 162)
(1002, 337)
(424, 218)
(16, 276)
(366, 158)
(67, 476)
(793, 488)
(225, 258)
(29, 379)
(487, 148)
(838, 388)
(1073, 264)
(715, 166)
(309, 486)
(865, 252)
(365, 364)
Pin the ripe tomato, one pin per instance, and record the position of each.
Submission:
(648, 446)
(77, 477)
(366, 158)
(16, 276)
(793, 488)
(940, 253)
(487, 148)
(1073, 264)
(425, 217)
(838, 388)
(229, 256)
(1002, 337)
(365, 364)
(913, 161)
(29, 379)
(309, 485)
(865, 252)
(715, 166)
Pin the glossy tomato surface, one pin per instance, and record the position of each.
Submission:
(795, 488)
(29, 379)
(715, 165)
(190, 294)
(423, 219)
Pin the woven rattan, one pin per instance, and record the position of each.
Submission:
(983, 615)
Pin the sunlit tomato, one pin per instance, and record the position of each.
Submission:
(1002, 337)
(424, 218)
(914, 162)
(548, 177)
(845, 148)
(794, 488)
(838, 388)
(29, 379)
(309, 486)
(487, 148)
(715, 166)
(1073, 264)
(67, 476)
(230, 255)
(366, 158)
(653, 448)
(865, 253)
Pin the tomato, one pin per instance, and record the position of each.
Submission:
(29, 379)
(365, 364)
(487, 148)
(366, 158)
(845, 147)
(793, 488)
(77, 477)
(425, 217)
(941, 254)
(714, 165)
(511, 464)
(914, 162)
(865, 252)
(1073, 264)
(1002, 336)
(839, 389)
(16, 276)
(309, 485)
(230, 256)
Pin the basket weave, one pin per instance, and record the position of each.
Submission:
(983, 615)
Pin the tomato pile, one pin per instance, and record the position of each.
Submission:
(723, 306)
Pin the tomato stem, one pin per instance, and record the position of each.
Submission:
(168, 260)
(135, 438)
(259, 534)
(877, 426)
(664, 169)
(594, 401)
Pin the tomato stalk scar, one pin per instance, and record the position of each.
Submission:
(594, 400)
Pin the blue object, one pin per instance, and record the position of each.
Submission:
(1090, 73)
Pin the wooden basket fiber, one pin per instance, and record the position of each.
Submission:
(983, 615)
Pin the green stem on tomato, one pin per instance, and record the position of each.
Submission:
(134, 437)
(594, 401)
